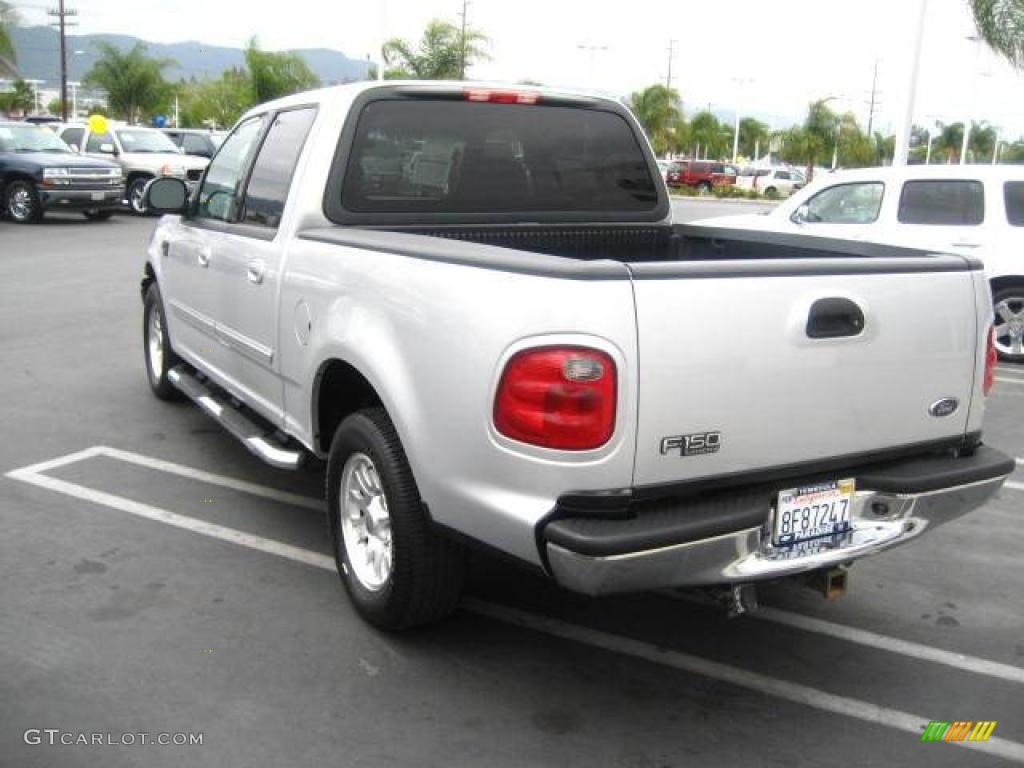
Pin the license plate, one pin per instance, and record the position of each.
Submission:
(97, 196)
(812, 511)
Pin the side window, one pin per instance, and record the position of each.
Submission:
(846, 204)
(192, 144)
(948, 202)
(700, 168)
(96, 139)
(219, 194)
(784, 175)
(272, 173)
(73, 137)
(1013, 193)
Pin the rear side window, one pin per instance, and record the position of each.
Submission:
(96, 140)
(1013, 193)
(272, 172)
(413, 156)
(700, 168)
(948, 202)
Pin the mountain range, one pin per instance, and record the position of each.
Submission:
(38, 57)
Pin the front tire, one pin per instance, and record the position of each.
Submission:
(398, 572)
(136, 195)
(703, 189)
(156, 343)
(21, 203)
(1009, 322)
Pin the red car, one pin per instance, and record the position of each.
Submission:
(701, 174)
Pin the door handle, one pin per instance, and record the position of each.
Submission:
(834, 318)
(203, 257)
(256, 268)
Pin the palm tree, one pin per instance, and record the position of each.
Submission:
(133, 80)
(753, 136)
(442, 54)
(8, 20)
(819, 132)
(660, 112)
(1000, 23)
(706, 132)
(949, 140)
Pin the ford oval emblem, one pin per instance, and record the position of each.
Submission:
(944, 407)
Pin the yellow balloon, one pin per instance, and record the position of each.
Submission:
(97, 123)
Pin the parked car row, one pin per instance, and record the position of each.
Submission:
(974, 211)
(71, 167)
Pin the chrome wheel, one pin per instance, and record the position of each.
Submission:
(20, 204)
(136, 195)
(1009, 325)
(365, 522)
(155, 343)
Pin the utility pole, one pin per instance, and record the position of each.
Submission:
(462, 42)
(903, 127)
(873, 102)
(61, 13)
(671, 55)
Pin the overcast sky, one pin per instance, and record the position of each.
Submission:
(768, 57)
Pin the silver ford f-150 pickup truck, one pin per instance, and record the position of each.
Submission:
(472, 301)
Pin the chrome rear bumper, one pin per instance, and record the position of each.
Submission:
(748, 555)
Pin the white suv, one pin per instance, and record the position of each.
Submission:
(968, 209)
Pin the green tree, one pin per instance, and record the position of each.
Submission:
(20, 99)
(856, 149)
(1013, 153)
(982, 142)
(273, 75)
(133, 80)
(709, 136)
(215, 103)
(8, 56)
(753, 137)
(885, 148)
(819, 132)
(439, 55)
(948, 141)
(660, 112)
(1000, 23)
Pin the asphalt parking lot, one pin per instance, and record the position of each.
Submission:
(156, 578)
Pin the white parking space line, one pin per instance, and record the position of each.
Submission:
(892, 644)
(793, 692)
(782, 689)
(157, 514)
(211, 478)
(1014, 486)
(1006, 380)
(800, 694)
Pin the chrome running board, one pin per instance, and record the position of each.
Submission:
(243, 424)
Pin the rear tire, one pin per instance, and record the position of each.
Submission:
(156, 343)
(1009, 322)
(398, 572)
(703, 189)
(771, 192)
(21, 203)
(97, 215)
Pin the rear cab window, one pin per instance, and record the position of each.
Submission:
(455, 157)
(942, 202)
(1013, 195)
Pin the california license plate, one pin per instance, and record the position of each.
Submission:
(812, 511)
(96, 195)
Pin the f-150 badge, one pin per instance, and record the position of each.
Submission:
(697, 444)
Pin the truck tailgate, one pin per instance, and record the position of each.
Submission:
(748, 365)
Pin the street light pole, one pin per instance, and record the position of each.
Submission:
(903, 134)
(970, 111)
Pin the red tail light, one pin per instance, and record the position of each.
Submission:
(557, 397)
(991, 358)
(501, 97)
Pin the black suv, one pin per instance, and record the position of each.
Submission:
(39, 172)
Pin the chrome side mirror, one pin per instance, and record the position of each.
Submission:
(801, 215)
